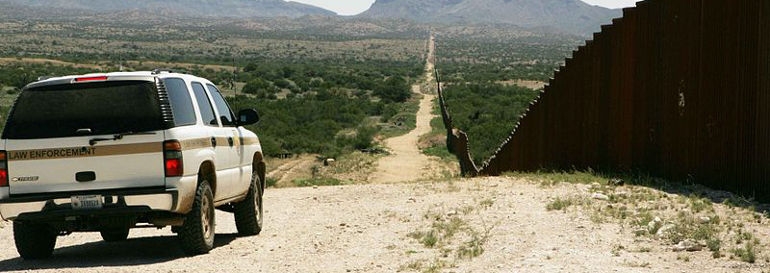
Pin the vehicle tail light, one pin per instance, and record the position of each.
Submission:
(91, 79)
(172, 158)
(3, 169)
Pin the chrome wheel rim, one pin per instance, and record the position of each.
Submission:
(258, 205)
(206, 217)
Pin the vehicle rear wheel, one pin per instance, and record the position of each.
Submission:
(248, 213)
(115, 235)
(196, 235)
(34, 240)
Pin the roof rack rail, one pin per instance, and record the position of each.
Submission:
(42, 78)
(157, 71)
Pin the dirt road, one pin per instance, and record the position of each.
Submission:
(406, 162)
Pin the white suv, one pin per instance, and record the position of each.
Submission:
(110, 152)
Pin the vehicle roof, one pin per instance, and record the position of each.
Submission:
(116, 76)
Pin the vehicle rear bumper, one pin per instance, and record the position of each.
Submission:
(40, 206)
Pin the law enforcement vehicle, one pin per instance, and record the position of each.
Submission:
(110, 152)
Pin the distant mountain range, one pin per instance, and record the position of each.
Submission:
(571, 16)
(180, 8)
(567, 16)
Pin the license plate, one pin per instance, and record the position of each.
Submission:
(87, 202)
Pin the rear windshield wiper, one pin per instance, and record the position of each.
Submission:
(117, 136)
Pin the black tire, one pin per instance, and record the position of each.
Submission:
(114, 235)
(248, 213)
(34, 240)
(196, 235)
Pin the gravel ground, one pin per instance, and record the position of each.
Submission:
(370, 228)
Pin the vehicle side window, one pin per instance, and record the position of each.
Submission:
(181, 102)
(225, 114)
(207, 112)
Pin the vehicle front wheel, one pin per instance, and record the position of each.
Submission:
(34, 240)
(248, 213)
(196, 235)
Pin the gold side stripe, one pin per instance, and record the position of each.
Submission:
(198, 143)
(122, 149)
(87, 151)
(250, 141)
(221, 141)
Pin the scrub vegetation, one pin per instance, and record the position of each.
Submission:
(319, 89)
(675, 216)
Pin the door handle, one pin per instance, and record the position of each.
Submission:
(214, 142)
(230, 141)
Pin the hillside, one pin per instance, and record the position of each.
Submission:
(571, 16)
(564, 16)
(173, 8)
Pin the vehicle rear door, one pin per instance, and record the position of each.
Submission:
(223, 163)
(92, 135)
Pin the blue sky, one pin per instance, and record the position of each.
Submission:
(351, 7)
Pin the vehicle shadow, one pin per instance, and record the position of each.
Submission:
(134, 251)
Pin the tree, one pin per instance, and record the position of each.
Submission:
(394, 89)
(256, 85)
(283, 83)
(250, 67)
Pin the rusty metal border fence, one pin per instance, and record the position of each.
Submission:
(679, 89)
(457, 141)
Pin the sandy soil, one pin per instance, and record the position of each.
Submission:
(406, 162)
(288, 170)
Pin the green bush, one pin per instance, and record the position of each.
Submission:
(310, 124)
(257, 85)
(394, 89)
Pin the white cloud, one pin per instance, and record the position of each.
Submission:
(341, 7)
(353, 7)
(613, 4)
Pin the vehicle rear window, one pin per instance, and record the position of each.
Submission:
(85, 109)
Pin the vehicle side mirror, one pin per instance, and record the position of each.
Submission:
(247, 117)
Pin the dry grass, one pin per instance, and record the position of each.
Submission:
(453, 235)
(672, 219)
(355, 167)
